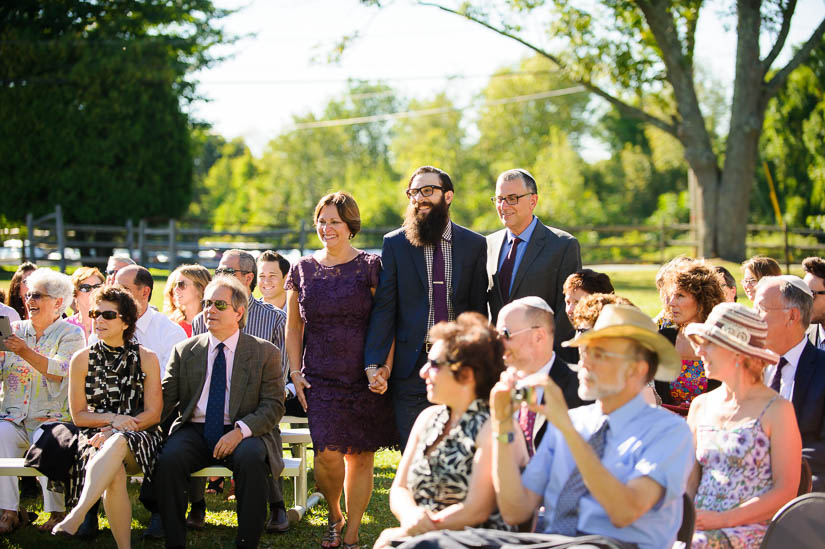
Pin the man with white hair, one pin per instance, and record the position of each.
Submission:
(526, 328)
(615, 470)
(116, 263)
(784, 303)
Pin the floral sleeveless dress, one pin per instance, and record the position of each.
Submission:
(736, 466)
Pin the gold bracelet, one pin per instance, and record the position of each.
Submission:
(294, 372)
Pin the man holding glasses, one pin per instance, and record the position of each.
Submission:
(526, 257)
(433, 270)
(614, 471)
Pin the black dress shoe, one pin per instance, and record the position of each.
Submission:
(89, 528)
(278, 522)
(197, 517)
(155, 528)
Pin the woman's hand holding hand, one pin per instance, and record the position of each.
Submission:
(124, 423)
(419, 523)
(300, 383)
(101, 436)
(377, 378)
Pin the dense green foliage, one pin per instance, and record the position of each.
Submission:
(91, 105)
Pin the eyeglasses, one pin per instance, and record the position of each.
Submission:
(86, 288)
(511, 199)
(436, 364)
(764, 310)
(229, 271)
(181, 284)
(749, 281)
(818, 292)
(426, 190)
(219, 304)
(36, 296)
(599, 355)
(506, 334)
(582, 330)
(108, 315)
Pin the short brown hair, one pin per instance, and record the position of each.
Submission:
(471, 342)
(82, 273)
(700, 282)
(588, 281)
(126, 305)
(588, 308)
(347, 209)
(815, 266)
(761, 265)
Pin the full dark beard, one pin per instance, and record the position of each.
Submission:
(426, 228)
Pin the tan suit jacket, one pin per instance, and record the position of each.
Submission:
(256, 389)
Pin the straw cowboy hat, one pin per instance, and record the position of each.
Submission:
(629, 322)
(737, 328)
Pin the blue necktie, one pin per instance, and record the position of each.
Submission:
(213, 424)
(505, 274)
(566, 520)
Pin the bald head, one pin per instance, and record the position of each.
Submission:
(527, 334)
(139, 282)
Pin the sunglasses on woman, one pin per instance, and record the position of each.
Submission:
(86, 288)
(36, 296)
(219, 304)
(108, 315)
(180, 284)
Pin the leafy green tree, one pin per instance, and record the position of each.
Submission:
(91, 97)
(639, 57)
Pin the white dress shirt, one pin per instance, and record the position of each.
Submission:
(789, 371)
(199, 413)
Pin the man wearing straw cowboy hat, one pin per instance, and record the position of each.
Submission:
(610, 474)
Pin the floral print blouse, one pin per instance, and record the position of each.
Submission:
(27, 395)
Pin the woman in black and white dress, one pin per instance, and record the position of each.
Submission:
(445, 480)
(115, 398)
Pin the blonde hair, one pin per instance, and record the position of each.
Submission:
(199, 276)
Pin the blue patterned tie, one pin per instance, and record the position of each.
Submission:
(213, 424)
(566, 520)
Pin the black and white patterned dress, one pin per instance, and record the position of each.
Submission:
(114, 384)
(442, 478)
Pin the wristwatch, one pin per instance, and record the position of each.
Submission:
(507, 437)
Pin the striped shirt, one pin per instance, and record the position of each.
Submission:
(263, 320)
(447, 252)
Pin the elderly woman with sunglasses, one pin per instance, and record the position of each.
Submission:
(444, 480)
(115, 398)
(34, 369)
(85, 280)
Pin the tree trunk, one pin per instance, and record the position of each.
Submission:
(705, 214)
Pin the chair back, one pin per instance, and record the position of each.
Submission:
(805, 479)
(685, 534)
(799, 524)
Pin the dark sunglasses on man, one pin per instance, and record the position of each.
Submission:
(219, 304)
(229, 271)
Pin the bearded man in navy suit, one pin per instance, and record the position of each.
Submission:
(433, 270)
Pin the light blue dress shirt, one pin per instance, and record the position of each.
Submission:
(643, 440)
(525, 236)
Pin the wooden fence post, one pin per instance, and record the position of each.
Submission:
(142, 242)
(130, 237)
(173, 248)
(662, 241)
(61, 236)
(787, 252)
(30, 234)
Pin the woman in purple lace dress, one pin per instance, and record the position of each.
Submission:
(329, 298)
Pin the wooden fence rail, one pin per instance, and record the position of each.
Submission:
(49, 240)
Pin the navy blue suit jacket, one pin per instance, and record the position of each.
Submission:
(401, 306)
(809, 402)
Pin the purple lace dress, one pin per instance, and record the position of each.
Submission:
(335, 304)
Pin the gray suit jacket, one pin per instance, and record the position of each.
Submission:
(551, 256)
(256, 389)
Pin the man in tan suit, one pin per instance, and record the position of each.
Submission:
(228, 390)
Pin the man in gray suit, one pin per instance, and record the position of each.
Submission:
(212, 429)
(528, 258)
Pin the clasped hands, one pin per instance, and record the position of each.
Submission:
(554, 407)
(377, 378)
